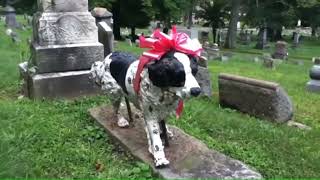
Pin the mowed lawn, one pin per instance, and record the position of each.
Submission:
(57, 139)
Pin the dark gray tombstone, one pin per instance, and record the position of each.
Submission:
(102, 15)
(262, 39)
(64, 46)
(262, 99)
(281, 51)
(106, 37)
(11, 19)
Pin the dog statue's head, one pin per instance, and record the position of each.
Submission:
(176, 72)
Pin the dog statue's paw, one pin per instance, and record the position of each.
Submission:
(123, 123)
(170, 133)
(161, 162)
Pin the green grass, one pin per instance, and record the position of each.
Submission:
(58, 139)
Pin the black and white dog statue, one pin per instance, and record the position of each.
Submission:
(163, 84)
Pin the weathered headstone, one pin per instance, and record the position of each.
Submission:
(213, 51)
(281, 51)
(268, 61)
(106, 37)
(245, 37)
(192, 33)
(296, 38)
(262, 39)
(102, 15)
(65, 44)
(204, 78)
(189, 158)
(11, 19)
(314, 84)
(262, 99)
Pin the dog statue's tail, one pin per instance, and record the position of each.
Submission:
(100, 73)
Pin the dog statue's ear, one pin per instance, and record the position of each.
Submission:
(159, 73)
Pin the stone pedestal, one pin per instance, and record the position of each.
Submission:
(65, 45)
(314, 84)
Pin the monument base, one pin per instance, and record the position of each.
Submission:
(189, 158)
(68, 85)
(313, 86)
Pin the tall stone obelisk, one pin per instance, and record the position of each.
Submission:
(65, 44)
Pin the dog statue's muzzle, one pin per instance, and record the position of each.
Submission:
(195, 91)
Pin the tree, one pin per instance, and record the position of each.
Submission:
(274, 14)
(169, 11)
(214, 13)
(234, 19)
(309, 13)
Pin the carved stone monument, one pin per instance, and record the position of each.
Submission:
(65, 44)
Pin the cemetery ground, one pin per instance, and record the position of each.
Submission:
(57, 139)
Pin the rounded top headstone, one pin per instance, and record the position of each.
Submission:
(101, 12)
(9, 9)
(316, 60)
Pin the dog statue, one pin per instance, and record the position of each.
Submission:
(163, 84)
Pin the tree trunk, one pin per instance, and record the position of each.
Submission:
(232, 30)
(214, 33)
(190, 14)
(278, 35)
(133, 34)
(313, 32)
(116, 22)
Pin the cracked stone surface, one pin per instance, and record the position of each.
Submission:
(189, 157)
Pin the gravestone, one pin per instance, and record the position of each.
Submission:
(189, 158)
(262, 99)
(203, 77)
(105, 23)
(296, 38)
(64, 46)
(281, 51)
(11, 19)
(212, 51)
(268, 61)
(106, 37)
(314, 84)
(102, 15)
(192, 33)
(262, 39)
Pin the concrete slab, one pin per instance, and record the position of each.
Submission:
(189, 157)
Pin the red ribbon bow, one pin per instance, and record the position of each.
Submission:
(161, 43)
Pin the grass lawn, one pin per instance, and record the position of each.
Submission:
(56, 139)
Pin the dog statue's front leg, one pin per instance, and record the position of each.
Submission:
(121, 121)
(155, 143)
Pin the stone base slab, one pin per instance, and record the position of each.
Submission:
(62, 58)
(68, 85)
(189, 158)
(313, 86)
